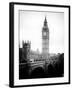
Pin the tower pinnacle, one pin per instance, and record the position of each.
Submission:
(45, 21)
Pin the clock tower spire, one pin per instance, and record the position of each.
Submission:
(45, 39)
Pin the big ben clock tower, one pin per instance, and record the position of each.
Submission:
(45, 38)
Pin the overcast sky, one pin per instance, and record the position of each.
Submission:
(31, 24)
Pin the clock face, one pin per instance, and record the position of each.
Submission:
(44, 33)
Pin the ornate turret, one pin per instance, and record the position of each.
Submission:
(26, 50)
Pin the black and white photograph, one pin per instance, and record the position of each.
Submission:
(41, 44)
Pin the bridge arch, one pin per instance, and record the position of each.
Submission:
(38, 72)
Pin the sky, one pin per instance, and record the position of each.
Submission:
(30, 28)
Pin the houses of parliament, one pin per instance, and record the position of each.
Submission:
(33, 64)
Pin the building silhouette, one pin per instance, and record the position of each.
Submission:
(24, 52)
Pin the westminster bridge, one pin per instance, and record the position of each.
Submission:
(54, 66)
